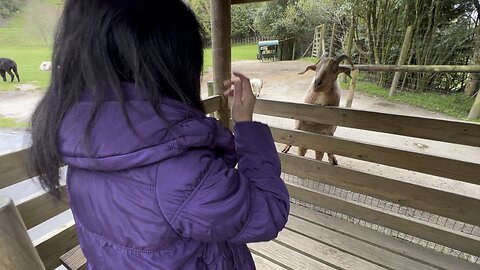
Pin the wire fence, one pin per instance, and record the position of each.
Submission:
(438, 50)
(242, 41)
(391, 207)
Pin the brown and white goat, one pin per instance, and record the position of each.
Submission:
(324, 91)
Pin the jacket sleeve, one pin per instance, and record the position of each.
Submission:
(243, 205)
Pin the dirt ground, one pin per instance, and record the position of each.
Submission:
(283, 83)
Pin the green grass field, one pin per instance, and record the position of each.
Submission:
(456, 104)
(9, 123)
(29, 58)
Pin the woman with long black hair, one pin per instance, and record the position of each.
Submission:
(152, 181)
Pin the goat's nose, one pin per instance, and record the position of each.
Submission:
(318, 82)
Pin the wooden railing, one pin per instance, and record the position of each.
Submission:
(444, 203)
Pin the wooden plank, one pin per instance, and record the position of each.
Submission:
(212, 104)
(419, 68)
(264, 264)
(51, 249)
(434, 201)
(353, 246)
(467, 133)
(434, 165)
(74, 259)
(16, 249)
(428, 231)
(44, 207)
(13, 168)
(391, 244)
(286, 257)
(320, 251)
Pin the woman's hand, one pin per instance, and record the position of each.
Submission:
(243, 97)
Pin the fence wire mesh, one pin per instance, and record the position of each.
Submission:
(389, 207)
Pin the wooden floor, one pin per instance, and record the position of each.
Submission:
(313, 240)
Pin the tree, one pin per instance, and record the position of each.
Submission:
(9, 7)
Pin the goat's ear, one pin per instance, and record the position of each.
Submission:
(312, 67)
(345, 70)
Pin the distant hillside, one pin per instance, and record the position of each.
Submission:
(33, 25)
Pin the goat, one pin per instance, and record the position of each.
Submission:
(46, 66)
(7, 66)
(257, 85)
(324, 90)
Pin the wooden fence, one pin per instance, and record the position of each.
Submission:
(475, 110)
(441, 202)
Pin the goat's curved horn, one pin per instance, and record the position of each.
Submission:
(342, 57)
(324, 55)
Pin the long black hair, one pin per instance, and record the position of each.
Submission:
(99, 43)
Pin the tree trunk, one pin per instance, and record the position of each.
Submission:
(473, 82)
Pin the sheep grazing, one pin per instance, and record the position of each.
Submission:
(257, 85)
(324, 91)
(46, 66)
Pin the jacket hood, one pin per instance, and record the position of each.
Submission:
(113, 145)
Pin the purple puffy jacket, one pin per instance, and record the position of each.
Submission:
(169, 196)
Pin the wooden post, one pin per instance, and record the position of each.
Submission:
(351, 90)
(473, 82)
(16, 248)
(332, 38)
(210, 88)
(210, 93)
(322, 40)
(475, 111)
(293, 50)
(401, 60)
(221, 50)
(348, 50)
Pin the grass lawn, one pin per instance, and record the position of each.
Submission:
(29, 58)
(242, 52)
(10, 123)
(454, 104)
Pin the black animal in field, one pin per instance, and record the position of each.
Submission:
(8, 66)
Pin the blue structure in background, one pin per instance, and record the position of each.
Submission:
(268, 50)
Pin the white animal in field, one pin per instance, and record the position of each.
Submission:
(257, 85)
(46, 66)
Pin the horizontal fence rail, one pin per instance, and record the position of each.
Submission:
(13, 168)
(433, 129)
(425, 230)
(438, 202)
(429, 164)
(415, 68)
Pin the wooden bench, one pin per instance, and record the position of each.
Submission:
(315, 240)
